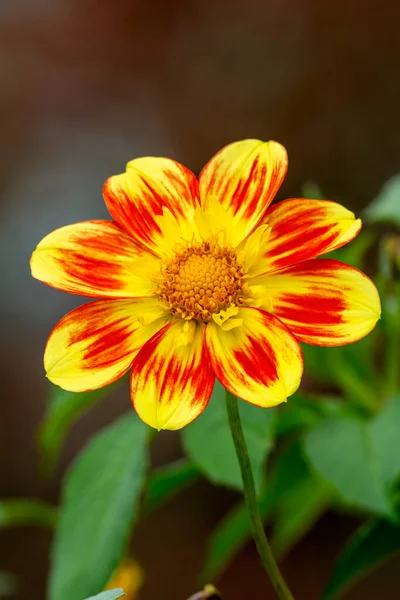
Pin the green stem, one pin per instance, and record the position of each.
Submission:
(263, 547)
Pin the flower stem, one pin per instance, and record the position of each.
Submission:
(263, 547)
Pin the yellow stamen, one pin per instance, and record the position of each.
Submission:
(201, 280)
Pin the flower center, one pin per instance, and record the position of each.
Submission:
(202, 280)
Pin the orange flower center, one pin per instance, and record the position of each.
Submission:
(201, 280)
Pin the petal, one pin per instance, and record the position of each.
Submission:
(259, 361)
(94, 259)
(301, 229)
(95, 344)
(150, 188)
(323, 301)
(172, 380)
(244, 177)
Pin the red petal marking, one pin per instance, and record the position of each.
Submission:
(244, 177)
(171, 383)
(101, 351)
(302, 229)
(150, 185)
(260, 360)
(166, 379)
(252, 360)
(93, 259)
(323, 301)
(312, 308)
(95, 344)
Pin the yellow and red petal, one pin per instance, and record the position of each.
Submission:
(95, 344)
(149, 188)
(301, 229)
(244, 177)
(259, 361)
(323, 301)
(172, 380)
(94, 259)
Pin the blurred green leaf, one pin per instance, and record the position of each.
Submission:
(109, 595)
(166, 482)
(385, 429)
(303, 412)
(234, 531)
(354, 252)
(63, 410)
(297, 414)
(391, 326)
(99, 505)
(350, 368)
(385, 207)
(8, 584)
(225, 542)
(298, 511)
(17, 512)
(208, 441)
(360, 458)
(310, 189)
(369, 547)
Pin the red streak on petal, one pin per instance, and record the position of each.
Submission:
(257, 359)
(101, 351)
(105, 345)
(311, 309)
(98, 274)
(244, 188)
(195, 373)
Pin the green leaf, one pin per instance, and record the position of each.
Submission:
(310, 189)
(385, 429)
(109, 595)
(354, 253)
(99, 505)
(354, 456)
(298, 511)
(8, 584)
(385, 208)
(234, 530)
(166, 482)
(303, 412)
(208, 441)
(390, 324)
(63, 410)
(18, 512)
(369, 547)
(351, 369)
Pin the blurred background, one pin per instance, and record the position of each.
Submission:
(86, 85)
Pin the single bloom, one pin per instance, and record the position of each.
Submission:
(129, 577)
(200, 278)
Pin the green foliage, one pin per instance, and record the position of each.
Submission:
(18, 512)
(63, 410)
(99, 505)
(288, 474)
(298, 511)
(208, 441)
(302, 412)
(8, 584)
(385, 207)
(109, 595)
(167, 481)
(359, 458)
(348, 368)
(369, 547)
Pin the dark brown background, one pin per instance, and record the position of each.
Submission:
(86, 85)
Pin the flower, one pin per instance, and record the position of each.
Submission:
(208, 593)
(201, 278)
(129, 577)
